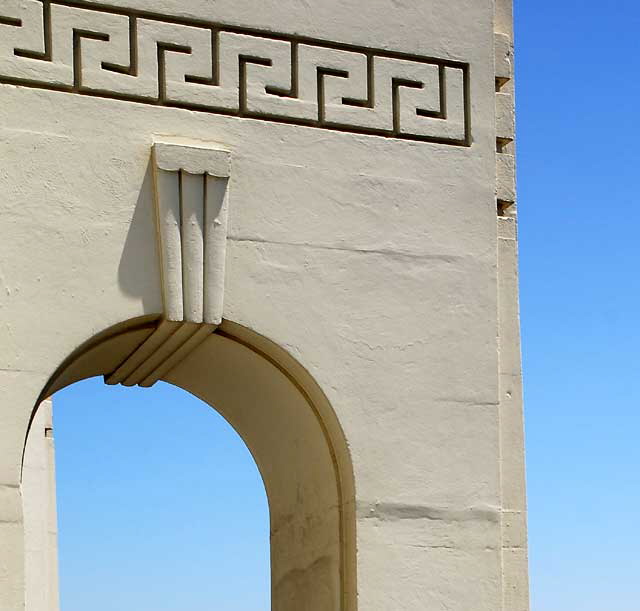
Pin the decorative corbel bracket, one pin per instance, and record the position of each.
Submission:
(191, 196)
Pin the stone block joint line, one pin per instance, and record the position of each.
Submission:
(102, 51)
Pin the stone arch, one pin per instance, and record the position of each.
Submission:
(292, 433)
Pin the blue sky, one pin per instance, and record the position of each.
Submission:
(578, 96)
(160, 507)
(579, 170)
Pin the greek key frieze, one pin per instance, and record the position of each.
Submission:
(89, 49)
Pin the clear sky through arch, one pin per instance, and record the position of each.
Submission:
(160, 504)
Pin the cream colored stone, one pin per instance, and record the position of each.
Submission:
(505, 116)
(504, 17)
(193, 157)
(346, 321)
(516, 580)
(514, 530)
(506, 177)
(504, 56)
(512, 472)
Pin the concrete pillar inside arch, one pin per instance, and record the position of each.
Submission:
(20, 390)
(40, 514)
(322, 195)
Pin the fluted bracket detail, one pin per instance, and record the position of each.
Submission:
(191, 194)
(191, 198)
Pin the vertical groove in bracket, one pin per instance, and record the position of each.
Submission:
(215, 241)
(167, 186)
(191, 182)
(192, 223)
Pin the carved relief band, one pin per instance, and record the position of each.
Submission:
(89, 49)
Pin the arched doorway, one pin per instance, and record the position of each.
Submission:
(291, 431)
(141, 498)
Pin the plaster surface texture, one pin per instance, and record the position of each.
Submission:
(361, 350)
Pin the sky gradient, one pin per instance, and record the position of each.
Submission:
(578, 168)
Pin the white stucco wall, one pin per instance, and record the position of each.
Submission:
(371, 258)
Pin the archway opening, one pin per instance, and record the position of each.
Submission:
(291, 431)
(160, 505)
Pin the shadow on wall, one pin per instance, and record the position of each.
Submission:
(139, 268)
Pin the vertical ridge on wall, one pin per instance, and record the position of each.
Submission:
(515, 584)
(505, 109)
